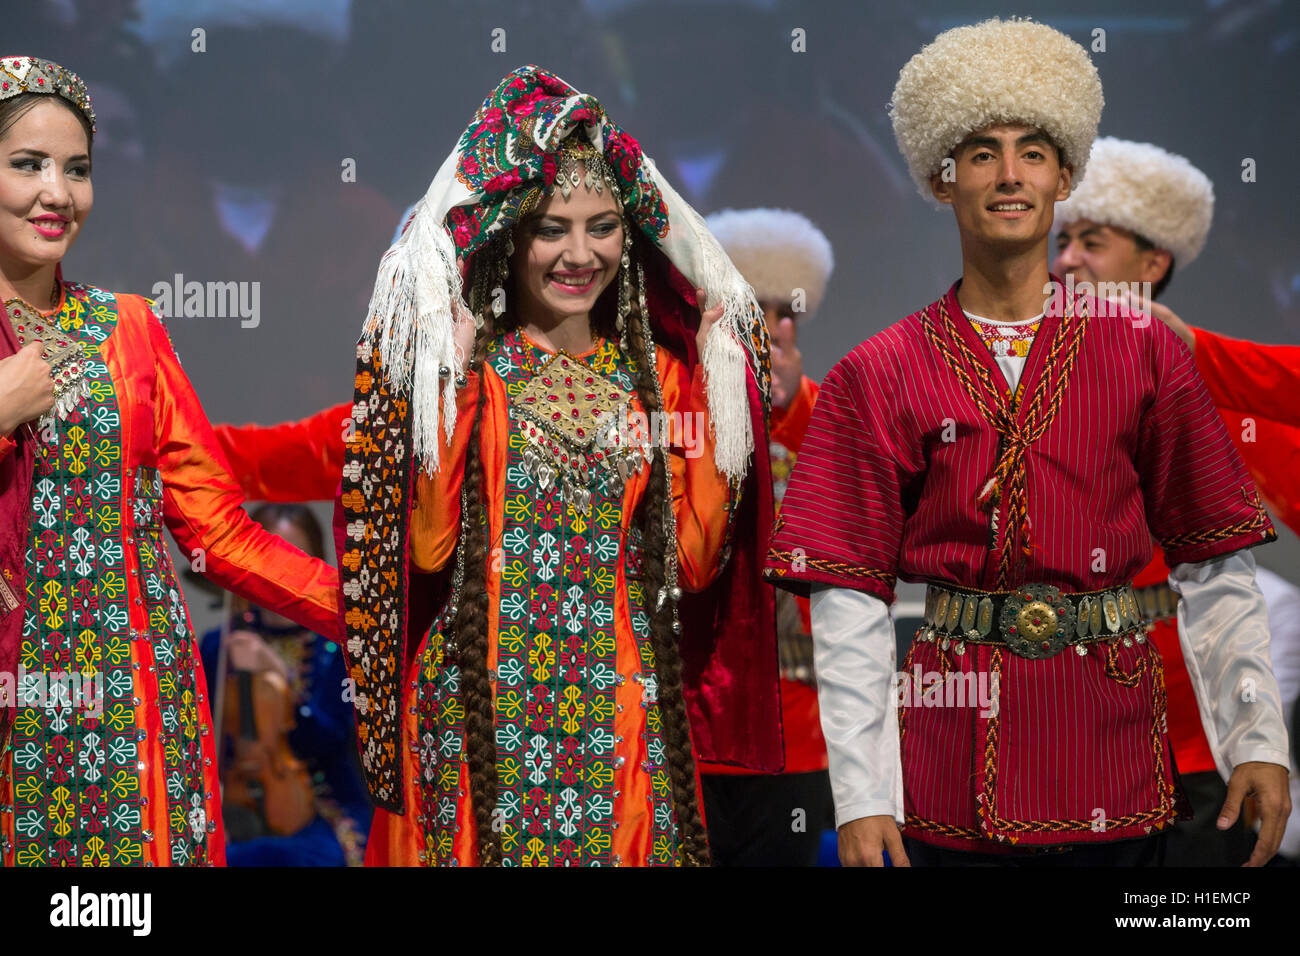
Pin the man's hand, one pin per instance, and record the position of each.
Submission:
(1166, 315)
(1266, 784)
(463, 334)
(787, 364)
(863, 839)
(708, 317)
(249, 652)
(1161, 312)
(26, 388)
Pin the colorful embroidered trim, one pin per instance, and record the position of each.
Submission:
(75, 782)
(376, 488)
(1007, 483)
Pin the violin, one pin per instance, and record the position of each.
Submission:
(266, 789)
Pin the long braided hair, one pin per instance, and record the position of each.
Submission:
(490, 272)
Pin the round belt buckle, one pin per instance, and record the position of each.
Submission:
(1037, 621)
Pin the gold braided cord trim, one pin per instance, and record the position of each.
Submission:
(829, 567)
(946, 829)
(1157, 817)
(1256, 522)
(1043, 407)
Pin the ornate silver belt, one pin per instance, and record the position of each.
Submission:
(1037, 621)
(1158, 602)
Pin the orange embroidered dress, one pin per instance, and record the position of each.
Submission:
(582, 777)
(110, 762)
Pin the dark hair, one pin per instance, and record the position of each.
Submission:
(300, 516)
(471, 623)
(1146, 245)
(1060, 153)
(12, 110)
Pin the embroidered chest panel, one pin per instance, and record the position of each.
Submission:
(556, 675)
(77, 749)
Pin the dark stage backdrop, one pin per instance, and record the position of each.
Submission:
(274, 144)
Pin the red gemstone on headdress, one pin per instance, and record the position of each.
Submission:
(547, 381)
(568, 380)
(575, 413)
(555, 417)
(591, 396)
(588, 380)
(552, 398)
(570, 396)
(1046, 646)
(581, 433)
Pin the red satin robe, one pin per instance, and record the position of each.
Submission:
(1254, 387)
(805, 747)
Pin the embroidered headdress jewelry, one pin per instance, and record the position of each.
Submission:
(30, 74)
(534, 133)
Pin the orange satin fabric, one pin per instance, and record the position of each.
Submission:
(700, 501)
(805, 747)
(163, 426)
(292, 461)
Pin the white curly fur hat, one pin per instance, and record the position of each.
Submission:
(777, 251)
(998, 71)
(1143, 188)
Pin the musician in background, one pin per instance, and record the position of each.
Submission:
(319, 773)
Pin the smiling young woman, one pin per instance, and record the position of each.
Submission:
(560, 679)
(106, 753)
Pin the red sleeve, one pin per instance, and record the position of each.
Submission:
(203, 505)
(1253, 378)
(842, 516)
(790, 424)
(292, 461)
(1271, 452)
(1200, 501)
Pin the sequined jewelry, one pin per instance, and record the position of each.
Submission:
(29, 74)
(64, 354)
(572, 418)
(579, 164)
(624, 288)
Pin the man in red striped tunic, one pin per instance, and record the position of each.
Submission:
(1142, 212)
(1024, 486)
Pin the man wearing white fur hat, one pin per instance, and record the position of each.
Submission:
(1141, 212)
(1018, 455)
(765, 819)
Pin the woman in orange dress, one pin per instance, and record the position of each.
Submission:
(106, 753)
(537, 533)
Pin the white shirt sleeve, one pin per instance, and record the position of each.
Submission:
(1283, 599)
(1223, 631)
(854, 657)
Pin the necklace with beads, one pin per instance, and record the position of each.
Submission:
(64, 354)
(575, 422)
